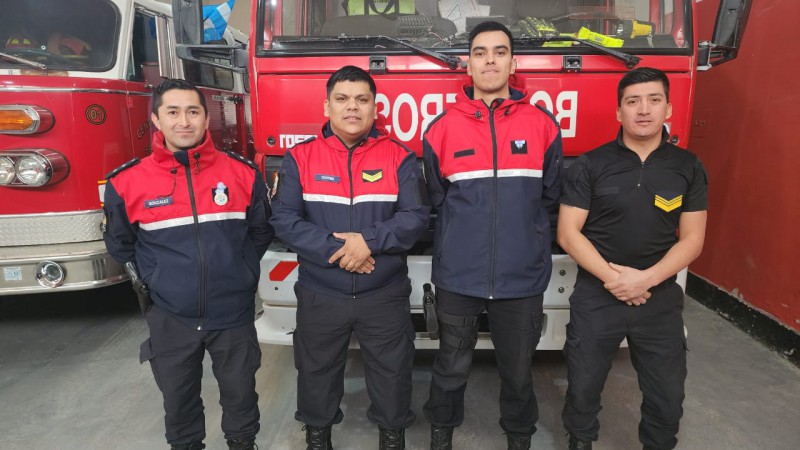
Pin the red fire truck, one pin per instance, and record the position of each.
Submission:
(571, 52)
(75, 84)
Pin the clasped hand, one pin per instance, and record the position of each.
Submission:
(631, 286)
(354, 255)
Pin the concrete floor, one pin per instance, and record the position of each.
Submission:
(70, 379)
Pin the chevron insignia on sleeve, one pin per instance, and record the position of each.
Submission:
(371, 176)
(668, 205)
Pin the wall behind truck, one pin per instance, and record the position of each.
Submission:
(745, 129)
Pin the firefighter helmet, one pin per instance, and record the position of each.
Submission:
(68, 46)
(22, 41)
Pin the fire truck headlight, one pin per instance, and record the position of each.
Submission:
(50, 274)
(34, 170)
(7, 171)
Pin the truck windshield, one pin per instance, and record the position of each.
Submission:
(633, 26)
(55, 34)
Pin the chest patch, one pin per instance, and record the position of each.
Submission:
(668, 203)
(371, 176)
(519, 147)
(156, 202)
(220, 194)
(326, 178)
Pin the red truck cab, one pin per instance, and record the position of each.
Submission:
(570, 53)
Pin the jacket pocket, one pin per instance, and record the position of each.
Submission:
(251, 274)
(446, 232)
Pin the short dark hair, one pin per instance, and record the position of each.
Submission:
(351, 73)
(170, 84)
(483, 27)
(642, 75)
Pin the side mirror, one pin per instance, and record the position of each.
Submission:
(728, 31)
(188, 18)
(232, 57)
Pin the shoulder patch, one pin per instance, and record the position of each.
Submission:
(306, 140)
(549, 114)
(401, 145)
(241, 159)
(119, 169)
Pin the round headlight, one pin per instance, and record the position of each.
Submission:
(50, 274)
(7, 172)
(33, 170)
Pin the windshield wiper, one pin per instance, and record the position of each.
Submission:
(630, 60)
(453, 62)
(24, 61)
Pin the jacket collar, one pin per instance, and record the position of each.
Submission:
(465, 98)
(376, 133)
(198, 157)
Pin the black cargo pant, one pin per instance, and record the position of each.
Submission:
(516, 326)
(382, 324)
(176, 353)
(598, 323)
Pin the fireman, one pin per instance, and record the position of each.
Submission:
(351, 203)
(632, 215)
(493, 168)
(194, 220)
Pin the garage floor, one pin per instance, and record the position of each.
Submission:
(70, 379)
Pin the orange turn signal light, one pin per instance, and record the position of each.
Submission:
(15, 120)
(24, 119)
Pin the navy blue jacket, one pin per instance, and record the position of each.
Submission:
(375, 188)
(494, 174)
(196, 224)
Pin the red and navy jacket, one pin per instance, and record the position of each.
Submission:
(374, 188)
(196, 224)
(494, 174)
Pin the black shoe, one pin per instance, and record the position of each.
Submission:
(518, 441)
(441, 438)
(198, 445)
(392, 439)
(242, 444)
(318, 438)
(577, 444)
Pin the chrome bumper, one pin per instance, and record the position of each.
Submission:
(86, 265)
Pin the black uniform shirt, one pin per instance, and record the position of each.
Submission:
(634, 206)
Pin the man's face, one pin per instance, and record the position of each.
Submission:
(181, 118)
(351, 110)
(490, 64)
(643, 110)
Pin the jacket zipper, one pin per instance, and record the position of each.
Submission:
(202, 298)
(350, 152)
(492, 250)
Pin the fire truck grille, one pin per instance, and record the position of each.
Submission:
(53, 228)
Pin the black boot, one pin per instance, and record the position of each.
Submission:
(518, 441)
(197, 445)
(318, 438)
(577, 444)
(392, 439)
(242, 444)
(441, 438)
